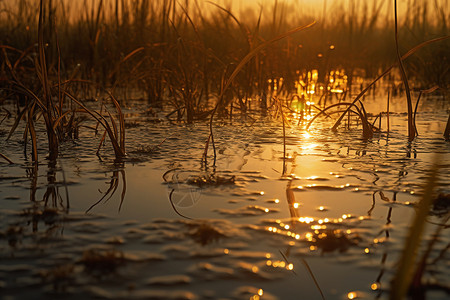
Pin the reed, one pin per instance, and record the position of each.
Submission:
(447, 130)
(52, 100)
(103, 31)
(115, 129)
(183, 58)
(411, 125)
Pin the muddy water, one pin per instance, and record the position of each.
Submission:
(162, 226)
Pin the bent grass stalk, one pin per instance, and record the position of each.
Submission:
(226, 84)
(6, 158)
(411, 124)
(115, 134)
(316, 283)
(53, 116)
(427, 91)
(367, 127)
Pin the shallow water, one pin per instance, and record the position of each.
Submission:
(161, 226)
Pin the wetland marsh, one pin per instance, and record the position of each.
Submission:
(204, 157)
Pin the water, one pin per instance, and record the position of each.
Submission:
(161, 226)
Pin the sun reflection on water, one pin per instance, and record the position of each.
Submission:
(306, 135)
(375, 286)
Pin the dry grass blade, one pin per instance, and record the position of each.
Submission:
(102, 140)
(287, 260)
(16, 122)
(447, 130)
(405, 270)
(367, 127)
(6, 158)
(117, 140)
(113, 123)
(422, 92)
(387, 112)
(30, 124)
(57, 122)
(121, 137)
(417, 284)
(127, 57)
(313, 277)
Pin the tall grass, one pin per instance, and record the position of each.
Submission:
(203, 40)
(44, 94)
(191, 57)
(411, 124)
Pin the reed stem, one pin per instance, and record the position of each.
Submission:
(411, 124)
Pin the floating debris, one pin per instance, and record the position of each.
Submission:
(169, 280)
(100, 262)
(205, 233)
(441, 205)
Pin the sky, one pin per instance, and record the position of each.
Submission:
(313, 8)
(316, 6)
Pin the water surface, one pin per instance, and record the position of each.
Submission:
(161, 225)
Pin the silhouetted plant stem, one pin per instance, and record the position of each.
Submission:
(6, 158)
(447, 130)
(387, 112)
(411, 124)
(48, 109)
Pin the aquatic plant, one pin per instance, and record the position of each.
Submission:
(43, 100)
(204, 233)
(101, 262)
(60, 116)
(411, 124)
(184, 60)
(60, 276)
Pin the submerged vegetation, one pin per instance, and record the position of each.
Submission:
(76, 65)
